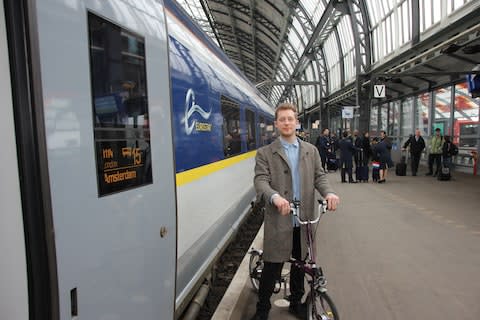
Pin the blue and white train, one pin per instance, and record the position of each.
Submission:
(127, 158)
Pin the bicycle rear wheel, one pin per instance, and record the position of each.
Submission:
(255, 268)
(322, 308)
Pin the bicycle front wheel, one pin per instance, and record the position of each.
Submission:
(255, 268)
(322, 308)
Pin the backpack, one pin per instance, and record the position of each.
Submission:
(453, 150)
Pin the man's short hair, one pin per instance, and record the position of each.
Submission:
(438, 129)
(285, 106)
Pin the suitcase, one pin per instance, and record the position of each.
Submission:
(444, 174)
(361, 172)
(401, 168)
(332, 164)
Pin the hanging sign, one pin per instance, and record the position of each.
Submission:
(379, 91)
(347, 112)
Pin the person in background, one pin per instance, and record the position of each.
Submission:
(357, 142)
(334, 142)
(347, 150)
(287, 169)
(323, 146)
(367, 149)
(388, 143)
(383, 153)
(417, 144)
(435, 153)
(449, 150)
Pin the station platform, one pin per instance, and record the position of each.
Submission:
(406, 249)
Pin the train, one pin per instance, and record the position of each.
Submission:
(129, 144)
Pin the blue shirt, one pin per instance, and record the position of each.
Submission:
(292, 150)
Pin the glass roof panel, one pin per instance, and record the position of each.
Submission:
(391, 23)
(287, 63)
(315, 8)
(331, 51)
(294, 37)
(195, 10)
(301, 32)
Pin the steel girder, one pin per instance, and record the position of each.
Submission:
(308, 27)
(330, 18)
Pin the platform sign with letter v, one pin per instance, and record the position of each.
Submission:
(379, 91)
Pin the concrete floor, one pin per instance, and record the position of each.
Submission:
(406, 249)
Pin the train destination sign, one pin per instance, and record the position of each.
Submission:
(122, 165)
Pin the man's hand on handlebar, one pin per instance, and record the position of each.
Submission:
(332, 201)
(283, 206)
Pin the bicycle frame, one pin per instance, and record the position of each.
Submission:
(319, 305)
(309, 267)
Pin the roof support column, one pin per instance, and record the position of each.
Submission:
(361, 35)
(415, 21)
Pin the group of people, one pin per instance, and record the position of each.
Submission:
(440, 151)
(359, 149)
(356, 149)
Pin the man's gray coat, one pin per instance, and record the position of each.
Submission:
(273, 175)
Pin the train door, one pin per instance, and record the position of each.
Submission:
(106, 100)
(13, 273)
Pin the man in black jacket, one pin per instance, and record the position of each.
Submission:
(347, 150)
(417, 144)
(324, 147)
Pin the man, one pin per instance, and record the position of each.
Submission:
(323, 146)
(357, 142)
(417, 144)
(288, 169)
(435, 153)
(347, 150)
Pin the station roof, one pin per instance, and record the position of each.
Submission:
(320, 53)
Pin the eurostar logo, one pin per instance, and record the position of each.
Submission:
(191, 107)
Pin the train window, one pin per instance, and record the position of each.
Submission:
(251, 140)
(120, 106)
(262, 125)
(266, 131)
(232, 143)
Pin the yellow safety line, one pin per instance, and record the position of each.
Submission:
(203, 171)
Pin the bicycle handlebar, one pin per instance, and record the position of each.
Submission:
(295, 209)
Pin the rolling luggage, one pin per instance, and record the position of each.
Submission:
(401, 168)
(332, 162)
(444, 174)
(361, 172)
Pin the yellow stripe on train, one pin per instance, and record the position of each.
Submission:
(203, 171)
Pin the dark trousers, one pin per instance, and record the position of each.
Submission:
(272, 272)
(437, 158)
(347, 170)
(323, 156)
(356, 159)
(415, 161)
